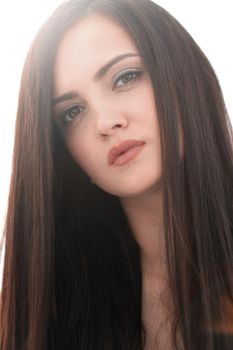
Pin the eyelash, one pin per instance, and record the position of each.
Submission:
(137, 74)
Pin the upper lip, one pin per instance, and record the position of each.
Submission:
(122, 147)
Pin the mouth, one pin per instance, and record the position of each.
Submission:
(124, 152)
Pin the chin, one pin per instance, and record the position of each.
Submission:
(133, 189)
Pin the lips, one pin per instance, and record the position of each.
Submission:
(121, 148)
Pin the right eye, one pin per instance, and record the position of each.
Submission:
(70, 114)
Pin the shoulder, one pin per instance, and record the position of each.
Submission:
(226, 326)
(223, 329)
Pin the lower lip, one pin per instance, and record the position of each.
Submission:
(127, 156)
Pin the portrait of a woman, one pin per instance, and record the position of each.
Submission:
(119, 229)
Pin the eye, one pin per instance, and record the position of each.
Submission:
(127, 78)
(70, 114)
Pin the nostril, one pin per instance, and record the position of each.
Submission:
(118, 125)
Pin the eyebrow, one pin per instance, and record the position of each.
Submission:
(101, 72)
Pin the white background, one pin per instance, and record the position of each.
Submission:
(209, 23)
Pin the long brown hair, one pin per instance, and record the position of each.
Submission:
(72, 277)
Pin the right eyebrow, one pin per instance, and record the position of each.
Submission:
(67, 96)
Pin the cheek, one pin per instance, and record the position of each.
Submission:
(83, 152)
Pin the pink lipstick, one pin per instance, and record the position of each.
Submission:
(124, 152)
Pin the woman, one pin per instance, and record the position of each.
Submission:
(119, 226)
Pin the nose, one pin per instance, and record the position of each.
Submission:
(107, 125)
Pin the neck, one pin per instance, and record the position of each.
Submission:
(145, 216)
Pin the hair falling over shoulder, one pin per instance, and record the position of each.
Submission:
(72, 277)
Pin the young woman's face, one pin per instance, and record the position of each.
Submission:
(96, 111)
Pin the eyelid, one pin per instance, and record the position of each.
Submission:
(118, 76)
(62, 114)
(122, 73)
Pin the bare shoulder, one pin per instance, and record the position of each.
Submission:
(226, 325)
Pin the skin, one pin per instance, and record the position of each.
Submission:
(111, 111)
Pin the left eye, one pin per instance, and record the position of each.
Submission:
(127, 78)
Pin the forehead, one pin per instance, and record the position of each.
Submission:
(90, 43)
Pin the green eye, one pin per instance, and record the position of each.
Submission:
(70, 114)
(127, 78)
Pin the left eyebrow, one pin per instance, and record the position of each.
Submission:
(102, 71)
(100, 74)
